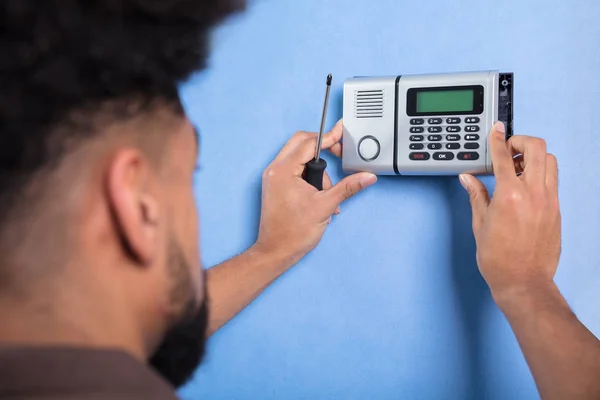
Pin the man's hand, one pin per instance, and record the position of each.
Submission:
(293, 220)
(518, 232)
(518, 247)
(295, 214)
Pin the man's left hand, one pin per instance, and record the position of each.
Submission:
(295, 214)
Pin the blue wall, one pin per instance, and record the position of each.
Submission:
(390, 305)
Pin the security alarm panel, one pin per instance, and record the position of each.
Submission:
(428, 124)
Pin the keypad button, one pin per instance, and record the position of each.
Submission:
(471, 137)
(419, 156)
(434, 138)
(417, 146)
(417, 121)
(471, 146)
(435, 129)
(443, 156)
(416, 138)
(472, 128)
(472, 120)
(417, 129)
(434, 146)
(453, 120)
(468, 156)
(452, 138)
(435, 121)
(453, 146)
(453, 129)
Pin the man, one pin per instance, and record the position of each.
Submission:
(100, 272)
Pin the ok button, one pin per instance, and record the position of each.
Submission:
(443, 156)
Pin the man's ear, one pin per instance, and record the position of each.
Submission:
(133, 205)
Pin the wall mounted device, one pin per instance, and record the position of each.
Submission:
(431, 124)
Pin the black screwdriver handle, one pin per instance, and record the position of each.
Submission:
(313, 173)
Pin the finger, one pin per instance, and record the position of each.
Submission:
(534, 156)
(336, 149)
(519, 166)
(334, 136)
(552, 173)
(348, 187)
(502, 160)
(479, 198)
(327, 184)
(301, 136)
(305, 151)
(296, 161)
(326, 181)
(519, 163)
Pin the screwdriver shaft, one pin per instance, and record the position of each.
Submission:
(323, 117)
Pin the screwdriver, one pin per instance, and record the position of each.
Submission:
(315, 168)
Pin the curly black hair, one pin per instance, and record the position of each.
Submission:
(58, 57)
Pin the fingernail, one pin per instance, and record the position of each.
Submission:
(464, 181)
(368, 180)
(337, 210)
(499, 127)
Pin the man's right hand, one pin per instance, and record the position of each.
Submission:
(518, 232)
(518, 247)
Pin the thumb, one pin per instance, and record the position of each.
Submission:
(348, 187)
(478, 196)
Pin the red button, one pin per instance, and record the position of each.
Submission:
(468, 156)
(419, 156)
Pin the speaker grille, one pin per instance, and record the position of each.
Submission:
(368, 103)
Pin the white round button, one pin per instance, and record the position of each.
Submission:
(368, 148)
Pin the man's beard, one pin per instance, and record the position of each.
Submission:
(183, 347)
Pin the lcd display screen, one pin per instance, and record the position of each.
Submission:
(445, 101)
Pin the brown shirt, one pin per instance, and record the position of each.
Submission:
(65, 373)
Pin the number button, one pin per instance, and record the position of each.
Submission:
(416, 138)
(435, 121)
(452, 138)
(453, 129)
(453, 120)
(434, 138)
(435, 129)
(417, 121)
(417, 129)
(434, 146)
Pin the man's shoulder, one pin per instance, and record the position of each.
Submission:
(69, 373)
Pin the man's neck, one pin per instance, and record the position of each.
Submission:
(62, 325)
